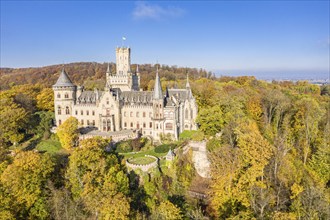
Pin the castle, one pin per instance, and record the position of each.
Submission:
(123, 106)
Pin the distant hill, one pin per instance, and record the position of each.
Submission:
(89, 74)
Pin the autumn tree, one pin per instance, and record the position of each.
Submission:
(68, 133)
(45, 100)
(96, 177)
(24, 183)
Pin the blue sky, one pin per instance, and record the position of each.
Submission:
(234, 37)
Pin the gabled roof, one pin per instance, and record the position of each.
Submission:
(63, 80)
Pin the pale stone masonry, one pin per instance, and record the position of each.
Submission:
(122, 105)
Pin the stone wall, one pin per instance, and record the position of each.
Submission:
(144, 167)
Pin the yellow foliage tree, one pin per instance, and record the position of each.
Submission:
(68, 133)
(45, 100)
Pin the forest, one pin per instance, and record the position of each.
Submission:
(268, 144)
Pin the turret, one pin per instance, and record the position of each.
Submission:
(158, 93)
(158, 99)
(64, 97)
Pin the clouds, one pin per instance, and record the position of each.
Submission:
(144, 10)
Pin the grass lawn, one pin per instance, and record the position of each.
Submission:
(50, 146)
(141, 160)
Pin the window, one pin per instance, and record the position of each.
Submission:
(93, 112)
(82, 122)
(150, 124)
(144, 115)
(186, 114)
(131, 124)
(191, 113)
(87, 122)
(58, 95)
(93, 123)
(87, 112)
(107, 101)
(160, 115)
(137, 114)
(131, 114)
(108, 112)
(76, 112)
(160, 105)
(108, 125)
(138, 125)
(125, 124)
(66, 95)
(104, 125)
(144, 124)
(59, 111)
(156, 126)
(81, 112)
(67, 110)
(59, 122)
(168, 126)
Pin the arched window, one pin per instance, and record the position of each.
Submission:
(87, 122)
(138, 125)
(186, 114)
(104, 125)
(58, 95)
(59, 111)
(66, 95)
(125, 124)
(87, 112)
(108, 125)
(131, 124)
(93, 112)
(67, 110)
(93, 123)
(144, 124)
(82, 122)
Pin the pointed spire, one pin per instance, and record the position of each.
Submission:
(108, 69)
(166, 92)
(158, 93)
(187, 83)
(64, 79)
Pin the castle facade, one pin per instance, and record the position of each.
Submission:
(122, 105)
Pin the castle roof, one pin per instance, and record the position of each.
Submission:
(136, 97)
(63, 80)
(89, 97)
(158, 93)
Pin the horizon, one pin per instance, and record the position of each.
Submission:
(225, 38)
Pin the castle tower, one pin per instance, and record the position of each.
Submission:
(123, 60)
(158, 107)
(64, 97)
(123, 79)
